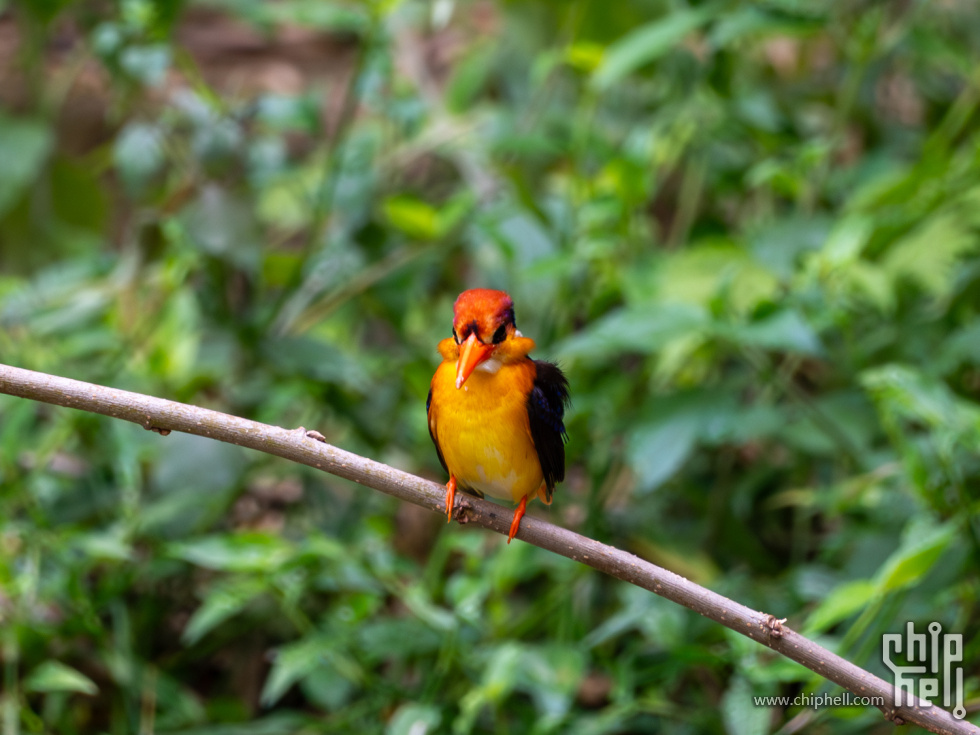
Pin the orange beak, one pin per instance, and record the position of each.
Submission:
(471, 353)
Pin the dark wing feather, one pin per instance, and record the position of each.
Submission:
(428, 403)
(546, 410)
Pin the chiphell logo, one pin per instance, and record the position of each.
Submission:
(927, 655)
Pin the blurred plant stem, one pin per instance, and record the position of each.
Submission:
(325, 190)
(688, 201)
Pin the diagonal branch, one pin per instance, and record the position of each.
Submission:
(163, 416)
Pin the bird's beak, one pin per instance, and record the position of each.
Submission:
(471, 353)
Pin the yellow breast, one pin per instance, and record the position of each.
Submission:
(482, 428)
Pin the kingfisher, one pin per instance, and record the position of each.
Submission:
(495, 415)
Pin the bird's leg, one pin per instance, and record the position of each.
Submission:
(516, 523)
(450, 497)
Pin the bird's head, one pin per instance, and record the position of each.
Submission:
(484, 333)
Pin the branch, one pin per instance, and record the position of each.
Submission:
(163, 416)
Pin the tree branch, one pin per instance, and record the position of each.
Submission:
(163, 416)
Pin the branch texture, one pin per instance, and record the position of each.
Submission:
(165, 416)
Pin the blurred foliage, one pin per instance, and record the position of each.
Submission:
(748, 231)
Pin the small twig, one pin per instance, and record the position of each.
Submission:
(298, 446)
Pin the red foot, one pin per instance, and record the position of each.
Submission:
(450, 498)
(516, 523)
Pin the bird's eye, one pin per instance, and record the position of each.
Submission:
(500, 335)
(455, 336)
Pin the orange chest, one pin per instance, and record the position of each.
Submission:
(482, 429)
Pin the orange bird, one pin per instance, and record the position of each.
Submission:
(495, 415)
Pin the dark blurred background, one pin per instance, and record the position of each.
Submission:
(748, 231)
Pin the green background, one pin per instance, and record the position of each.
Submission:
(747, 231)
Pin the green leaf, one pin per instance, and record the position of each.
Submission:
(699, 274)
(658, 449)
(500, 675)
(847, 240)
(277, 723)
(223, 601)
(584, 55)
(53, 676)
(79, 199)
(930, 253)
(147, 64)
(110, 544)
(915, 558)
(404, 637)
(416, 598)
(285, 201)
(787, 330)
(327, 362)
(138, 155)
(551, 675)
(340, 18)
(525, 236)
(660, 446)
(414, 719)
(328, 688)
(24, 146)
(872, 284)
(222, 224)
(292, 663)
(639, 330)
(781, 244)
(738, 711)
(757, 23)
(415, 218)
(904, 394)
(645, 44)
(468, 77)
(244, 552)
(845, 600)
(199, 464)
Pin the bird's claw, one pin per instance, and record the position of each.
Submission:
(516, 523)
(450, 498)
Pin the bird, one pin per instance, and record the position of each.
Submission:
(496, 416)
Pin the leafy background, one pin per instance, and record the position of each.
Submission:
(748, 231)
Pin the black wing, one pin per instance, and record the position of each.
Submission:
(428, 402)
(546, 411)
